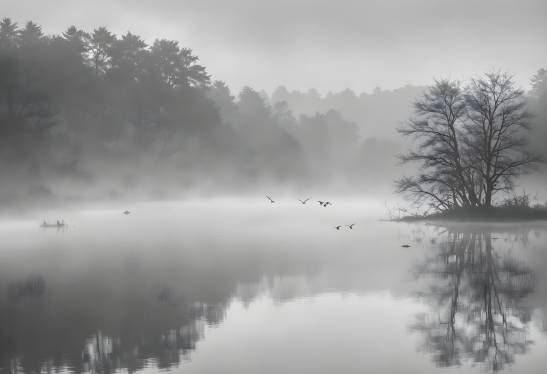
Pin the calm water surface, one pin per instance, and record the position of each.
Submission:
(233, 286)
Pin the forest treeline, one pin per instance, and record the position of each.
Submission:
(376, 113)
(98, 115)
(95, 114)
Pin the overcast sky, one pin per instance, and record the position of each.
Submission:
(328, 45)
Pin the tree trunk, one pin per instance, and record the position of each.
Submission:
(488, 196)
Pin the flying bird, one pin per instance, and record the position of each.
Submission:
(338, 227)
(405, 246)
(326, 203)
(269, 198)
(320, 202)
(351, 226)
(303, 201)
(126, 212)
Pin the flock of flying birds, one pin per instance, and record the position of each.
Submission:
(324, 204)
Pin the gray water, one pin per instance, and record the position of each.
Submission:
(245, 286)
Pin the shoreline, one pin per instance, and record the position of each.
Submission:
(494, 214)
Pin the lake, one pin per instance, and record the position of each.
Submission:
(246, 286)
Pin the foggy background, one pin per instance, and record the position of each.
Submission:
(323, 44)
(152, 155)
(277, 96)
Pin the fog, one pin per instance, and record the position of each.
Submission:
(211, 283)
(91, 113)
(323, 44)
(273, 186)
(87, 122)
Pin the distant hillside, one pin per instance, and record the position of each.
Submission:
(377, 114)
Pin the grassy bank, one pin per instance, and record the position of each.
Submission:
(493, 214)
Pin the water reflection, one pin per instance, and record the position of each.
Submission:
(105, 354)
(477, 295)
(168, 297)
(31, 287)
(39, 342)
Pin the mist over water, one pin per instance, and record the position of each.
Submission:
(261, 186)
(219, 285)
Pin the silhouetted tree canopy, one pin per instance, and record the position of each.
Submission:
(109, 114)
(472, 142)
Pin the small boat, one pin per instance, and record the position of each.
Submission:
(57, 225)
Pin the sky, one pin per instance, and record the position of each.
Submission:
(328, 45)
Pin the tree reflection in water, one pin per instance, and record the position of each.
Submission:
(156, 333)
(104, 354)
(477, 296)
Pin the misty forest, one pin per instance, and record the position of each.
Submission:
(156, 216)
(89, 115)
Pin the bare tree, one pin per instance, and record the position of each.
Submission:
(444, 181)
(497, 120)
(471, 143)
